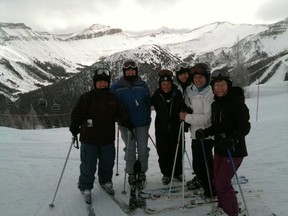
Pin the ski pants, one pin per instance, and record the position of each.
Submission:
(223, 174)
(199, 162)
(138, 143)
(91, 154)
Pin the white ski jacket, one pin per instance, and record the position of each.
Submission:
(200, 102)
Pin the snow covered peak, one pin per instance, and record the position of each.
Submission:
(96, 30)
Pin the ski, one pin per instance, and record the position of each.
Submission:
(192, 204)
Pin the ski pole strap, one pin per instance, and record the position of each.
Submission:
(75, 141)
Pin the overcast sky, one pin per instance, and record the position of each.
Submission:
(67, 16)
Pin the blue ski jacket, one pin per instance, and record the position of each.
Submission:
(136, 99)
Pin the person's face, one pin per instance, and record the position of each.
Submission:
(199, 80)
(166, 86)
(101, 84)
(220, 88)
(183, 77)
(130, 72)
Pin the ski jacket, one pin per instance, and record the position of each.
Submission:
(200, 103)
(230, 119)
(136, 99)
(96, 112)
(167, 121)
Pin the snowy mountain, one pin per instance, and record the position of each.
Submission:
(31, 59)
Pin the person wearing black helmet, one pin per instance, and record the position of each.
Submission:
(94, 117)
(168, 102)
(134, 93)
(230, 125)
(183, 77)
(199, 97)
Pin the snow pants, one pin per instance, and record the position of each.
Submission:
(223, 174)
(90, 155)
(199, 163)
(138, 143)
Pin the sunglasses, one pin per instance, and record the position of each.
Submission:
(220, 73)
(183, 65)
(130, 64)
(103, 71)
(165, 72)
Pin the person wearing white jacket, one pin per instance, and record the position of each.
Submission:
(199, 97)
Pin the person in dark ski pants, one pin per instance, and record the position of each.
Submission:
(94, 117)
(168, 102)
(199, 98)
(134, 93)
(230, 125)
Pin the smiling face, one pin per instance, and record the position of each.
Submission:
(166, 86)
(220, 88)
(101, 84)
(183, 77)
(199, 80)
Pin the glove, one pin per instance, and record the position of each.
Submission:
(186, 127)
(189, 110)
(74, 129)
(199, 134)
(226, 143)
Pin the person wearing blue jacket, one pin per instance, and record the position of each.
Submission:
(134, 93)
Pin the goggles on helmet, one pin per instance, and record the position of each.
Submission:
(220, 74)
(183, 65)
(165, 72)
(102, 72)
(130, 64)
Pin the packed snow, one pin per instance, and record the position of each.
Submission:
(31, 162)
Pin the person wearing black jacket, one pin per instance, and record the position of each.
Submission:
(94, 117)
(230, 125)
(168, 102)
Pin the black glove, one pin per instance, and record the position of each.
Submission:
(74, 129)
(189, 110)
(186, 127)
(199, 134)
(226, 143)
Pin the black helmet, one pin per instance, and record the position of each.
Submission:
(101, 74)
(202, 69)
(221, 74)
(181, 68)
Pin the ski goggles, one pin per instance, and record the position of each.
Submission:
(183, 65)
(130, 64)
(220, 73)
(103, 71)
(165, 73)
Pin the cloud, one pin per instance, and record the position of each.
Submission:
(273, 10)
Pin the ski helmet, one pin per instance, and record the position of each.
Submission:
(130, 64)
(221, 74)
(202, 69)
(183, 68)
(102, 74)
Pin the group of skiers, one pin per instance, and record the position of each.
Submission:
(198, 101)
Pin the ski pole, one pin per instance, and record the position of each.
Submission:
(74, 139)
(117, 171)
(175, 157)
(237, 178)
(206, 166)
(152, 141)
(183, 163)
(127, 149)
